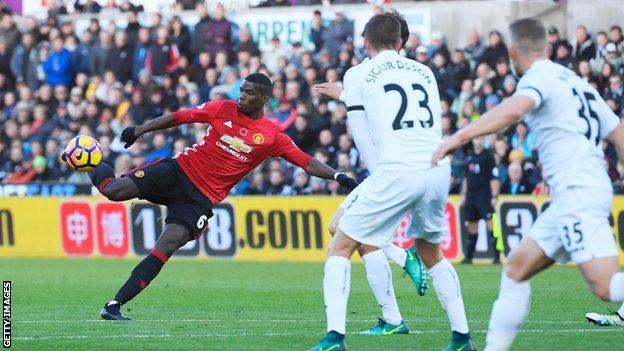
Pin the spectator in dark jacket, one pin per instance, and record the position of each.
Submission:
(317, 31)
(584, 48)
(219, 35)
(496, 49)
(246, 43)
(554, 41)
(57, 66)
(562, 56)
(119, 59)
(101, 51)
(82, 57)
(140, 52)
(9, 34)
(162, 56)
(338, 32)
(25, 60)
(132, 29)
(181, 36)
(201, 29)
(459, 69)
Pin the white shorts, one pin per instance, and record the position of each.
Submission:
(374, 210)
(576, 226)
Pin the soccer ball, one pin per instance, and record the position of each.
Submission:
(83, 153)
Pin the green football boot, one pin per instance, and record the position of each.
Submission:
(460, 342)
(384, 328)
(605, 320)
(415, 268)
(333, 341)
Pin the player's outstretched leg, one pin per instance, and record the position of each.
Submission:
(511, 308)
(379, 276)
(115, 189)
(447, 288)
(173, 237)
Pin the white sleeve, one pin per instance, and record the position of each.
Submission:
(362, 138)
(351, 94)
(356, 116)
(342, 96)
(534, 87)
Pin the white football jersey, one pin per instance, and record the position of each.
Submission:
(569, 120)
(402, 105)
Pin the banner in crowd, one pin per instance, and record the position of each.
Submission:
(242, 228)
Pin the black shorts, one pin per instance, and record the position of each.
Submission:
(478, 206)
(163, 182)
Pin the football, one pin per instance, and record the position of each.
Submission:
(83, 153)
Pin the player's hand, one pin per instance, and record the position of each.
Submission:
(332, 90)
(128, 136)
(346, 181)
(448, 146)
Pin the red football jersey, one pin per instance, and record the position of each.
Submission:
(233, 146)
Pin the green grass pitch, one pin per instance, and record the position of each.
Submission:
(222, 305)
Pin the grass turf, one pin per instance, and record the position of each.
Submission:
(220, 305)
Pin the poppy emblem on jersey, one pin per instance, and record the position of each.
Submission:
(243, 131)
(236, 144)
(258, 138)
(139, 174)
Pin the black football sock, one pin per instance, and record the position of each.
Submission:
(101, 175)
(493, 241)
(472, 245)
(141, 276)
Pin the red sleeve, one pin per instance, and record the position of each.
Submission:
(284, 147)
(202, 113)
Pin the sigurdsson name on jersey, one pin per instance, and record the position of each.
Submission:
(377, 70)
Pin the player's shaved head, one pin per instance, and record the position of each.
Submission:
(261, 82)
(528, 35)
(383, 31)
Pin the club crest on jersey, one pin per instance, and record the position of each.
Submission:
(139, 174)
(258, 138)
(236, 144)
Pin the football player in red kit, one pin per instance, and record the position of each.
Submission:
(238, 139)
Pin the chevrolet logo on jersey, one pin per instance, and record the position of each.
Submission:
(236, 144)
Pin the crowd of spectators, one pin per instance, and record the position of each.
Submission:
(56, 83)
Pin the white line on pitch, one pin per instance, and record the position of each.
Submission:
(223, 335)
(52, 321)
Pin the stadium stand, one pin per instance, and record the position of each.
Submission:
(56, 83)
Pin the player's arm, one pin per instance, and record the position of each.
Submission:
(362, 138)
(505, 114)
(202, 113)
(284, 147)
